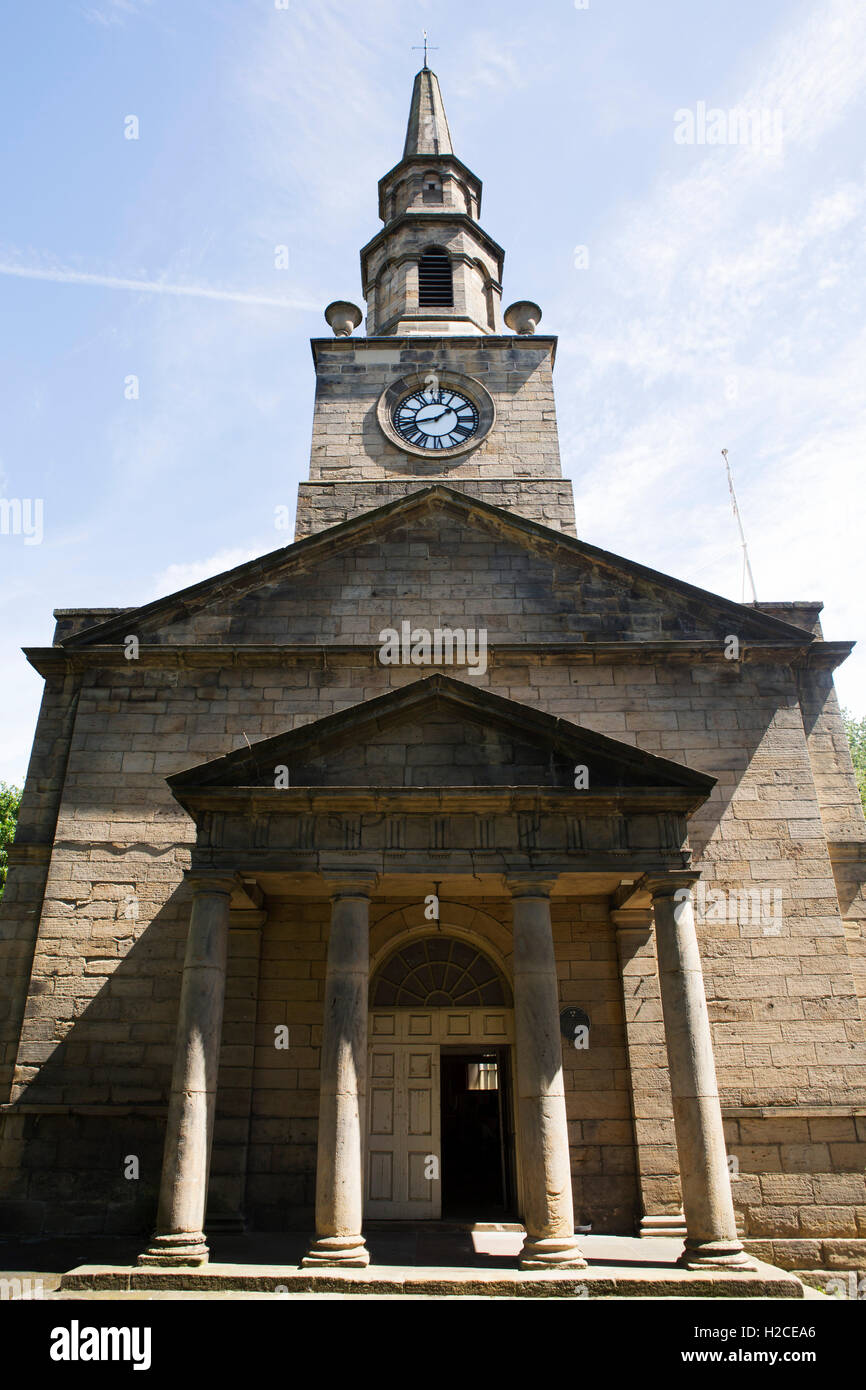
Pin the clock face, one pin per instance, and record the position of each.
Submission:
(435, 419)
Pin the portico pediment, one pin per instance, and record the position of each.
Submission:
(439, 769)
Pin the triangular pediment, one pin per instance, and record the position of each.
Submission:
(520, 581)
(441, 732)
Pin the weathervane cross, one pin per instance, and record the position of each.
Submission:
(417, 46)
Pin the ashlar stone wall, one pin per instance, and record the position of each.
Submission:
(97, 1020)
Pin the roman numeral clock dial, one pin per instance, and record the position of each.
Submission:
(436, 420)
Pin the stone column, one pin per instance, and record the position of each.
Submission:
(711, 1227)
(652, 1110)
(229, 1163)
(548, 1204)
(340, 1160)
(179, 1237)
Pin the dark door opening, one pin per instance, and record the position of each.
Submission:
(476, 1134)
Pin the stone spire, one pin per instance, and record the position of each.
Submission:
(427, 132)
(431, 269)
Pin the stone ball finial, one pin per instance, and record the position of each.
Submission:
(342, 317)
(523, 317)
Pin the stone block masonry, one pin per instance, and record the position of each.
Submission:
(100, 1010)
(354, 466)
(548, 501)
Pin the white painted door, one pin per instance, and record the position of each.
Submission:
(403, 1139)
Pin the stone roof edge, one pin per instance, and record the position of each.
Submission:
(428, 341)
(815, 603)
(46, 660)
(89, 608)
(292, 800)
(207, 589)
(431, 159)
(415, 218)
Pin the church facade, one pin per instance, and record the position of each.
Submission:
(439, 865)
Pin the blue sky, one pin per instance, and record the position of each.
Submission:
(721, 305)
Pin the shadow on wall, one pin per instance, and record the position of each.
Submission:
(89, 1162)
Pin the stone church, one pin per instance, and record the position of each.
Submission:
(440, 865)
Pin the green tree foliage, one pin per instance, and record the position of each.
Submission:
(856, 731)
(10, 800)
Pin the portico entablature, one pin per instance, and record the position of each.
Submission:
(494, 831)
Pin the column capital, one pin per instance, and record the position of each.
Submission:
(530, 885)
(350, 883)
(668, 885)
(212, 880)
(636, 919)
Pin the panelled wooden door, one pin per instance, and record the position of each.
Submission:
(403, 1139)
(404, 1145)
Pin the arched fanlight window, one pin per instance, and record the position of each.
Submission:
(437, 972)
(435, 283)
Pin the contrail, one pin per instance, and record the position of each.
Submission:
(113, 282)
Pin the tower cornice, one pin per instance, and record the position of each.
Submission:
(419, 343)
(446, 162)
(447, 216)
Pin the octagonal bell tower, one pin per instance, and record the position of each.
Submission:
(432, 268)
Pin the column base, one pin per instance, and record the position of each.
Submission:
(337, 1250)
(557, 1252)
(671, 1226)
(184, 1248)
(715, 1254)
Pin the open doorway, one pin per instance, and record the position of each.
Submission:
(476, 1135)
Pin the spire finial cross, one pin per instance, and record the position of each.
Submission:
(417, 46)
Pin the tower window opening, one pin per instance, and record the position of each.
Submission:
(435, 281)
(432, 189)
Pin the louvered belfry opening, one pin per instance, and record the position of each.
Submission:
(435, 283)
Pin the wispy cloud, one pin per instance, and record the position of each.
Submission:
(180, 576)
(61, 276)
(724, 308)
(113, 11)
